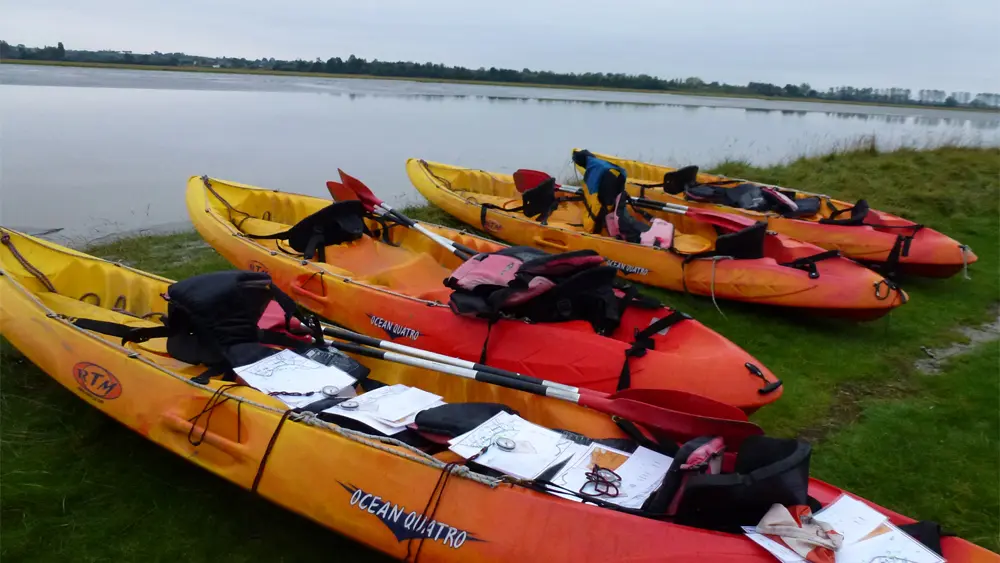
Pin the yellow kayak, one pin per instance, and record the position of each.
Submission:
(397, 498)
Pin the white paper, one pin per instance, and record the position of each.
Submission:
(535, 447)
(892, 546)
(400, 406)
(642, 473)
(783, 554)
(369, 408)
(288, 371)
(851, 518)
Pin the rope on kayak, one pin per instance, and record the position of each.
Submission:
(267, 451)
(5, 239)
(965, 260)
(715, 261)
(229, 206)
(217, 398)
(434, 499)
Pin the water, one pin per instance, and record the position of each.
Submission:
(97, 151)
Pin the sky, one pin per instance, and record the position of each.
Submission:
(913, 44)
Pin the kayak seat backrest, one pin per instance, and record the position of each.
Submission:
(568, 214)
(747, 243)
(857, 215)
(767, 471)
(334, 224)
(677, 181)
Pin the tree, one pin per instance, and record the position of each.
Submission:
(951, 101)
(60, 51)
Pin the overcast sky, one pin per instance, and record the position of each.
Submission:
(880, 43)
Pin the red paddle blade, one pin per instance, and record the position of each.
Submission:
(724, 220)
(525, 179)
(684, 402)
(369, 199)
(340, 192)
(668, 424)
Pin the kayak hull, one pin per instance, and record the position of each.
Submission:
(389, 304)
(931, 253)
(372, 492)
(842, 289)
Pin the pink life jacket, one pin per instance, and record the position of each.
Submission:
(528, 283)
(623, 226)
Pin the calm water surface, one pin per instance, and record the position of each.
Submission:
(97, 151)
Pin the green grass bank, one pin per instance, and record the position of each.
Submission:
(77, 486)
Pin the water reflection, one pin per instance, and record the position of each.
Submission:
(116, 147)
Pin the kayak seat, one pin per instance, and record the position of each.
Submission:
(570, 214)
(376, 263)
(691, 244)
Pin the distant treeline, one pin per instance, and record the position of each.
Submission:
(359, 66)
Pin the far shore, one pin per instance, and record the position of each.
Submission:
(476, 82)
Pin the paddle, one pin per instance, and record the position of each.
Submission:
(725, 220)
(359, 191)
(666, 398)
(662, 422)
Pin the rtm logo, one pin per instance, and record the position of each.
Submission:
(255, 266)
(97, 381)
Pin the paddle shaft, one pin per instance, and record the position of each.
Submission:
(460, 250)
(662, 422)
(639, 202)
(441, 358)
(520, 385)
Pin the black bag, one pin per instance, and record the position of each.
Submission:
(455, 419)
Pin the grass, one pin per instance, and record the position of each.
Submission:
(76, 485)
(126, 66)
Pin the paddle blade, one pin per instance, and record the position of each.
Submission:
(674, 425)
(683, 401)
(340, 192)
(525, 179)
(725, 220)
(369, 199)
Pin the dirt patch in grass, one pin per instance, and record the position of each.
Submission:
(976, 335)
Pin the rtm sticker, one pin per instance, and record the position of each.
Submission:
(407, 525)
(96, 381)
(627, 268)
(394, 330)
(255, 266)
(492, 225)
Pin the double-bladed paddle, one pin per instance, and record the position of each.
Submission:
(352, 188)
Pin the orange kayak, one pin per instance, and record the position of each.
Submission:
(870, 236)
(837, 287)
(395, 290)
(371, 489)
